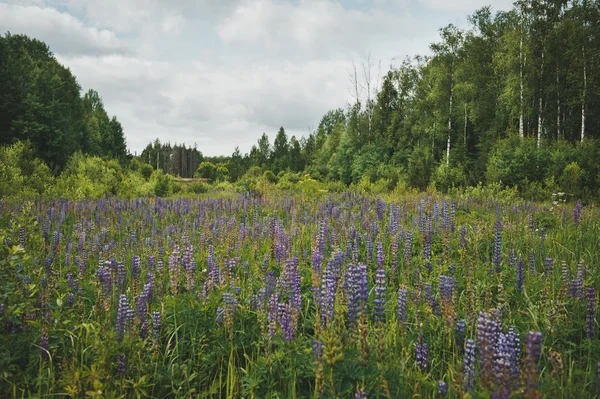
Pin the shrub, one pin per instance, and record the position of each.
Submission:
(446, 178)
(161, 183)
(197, 188)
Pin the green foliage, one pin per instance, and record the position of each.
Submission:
(197, 188)
(512, 161)
(162, 184)
(21, 174)
(446, 178)
(420, 166)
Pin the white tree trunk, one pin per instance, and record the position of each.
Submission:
(465, 129)
(557, 106)
(433, 136)
(450, 115)
(540, 127)
(521, 128)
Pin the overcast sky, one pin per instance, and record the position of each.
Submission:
(219, 73)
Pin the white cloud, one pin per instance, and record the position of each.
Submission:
(62, 32)
(311, 29)
(217, 106)
(467, 6)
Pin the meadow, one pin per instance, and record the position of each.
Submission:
(285, 296)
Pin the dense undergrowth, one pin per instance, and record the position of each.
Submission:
(284, 296)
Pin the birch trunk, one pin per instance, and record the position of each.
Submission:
(521, 129)
(465, 129)
(557, 106)
(539, 130)
(450, 115)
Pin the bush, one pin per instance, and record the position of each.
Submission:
(21, 173)
(197, 188)
(571, 180)
(162, 184)
(270, 177)
(446, 178)
(514, 160)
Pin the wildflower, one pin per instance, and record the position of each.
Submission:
(469, 365)
(442, 388)
(422, 352)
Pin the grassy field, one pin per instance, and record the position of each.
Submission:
(282, 297)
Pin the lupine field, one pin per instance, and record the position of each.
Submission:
(342, 296)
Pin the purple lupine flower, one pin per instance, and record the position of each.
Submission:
(514, 348)
(442, 388)
(487, 328)
(362, 287)
(121, 282)
(360, 394)
(284, 316)
(506, 363)
(422, 351)
(430, 299)
(328, 290)
(151, 262)
(44, 344)
(576, 288)
(121, 364)
(105, 279)
(129, 319)
(532, 263)
(156, 325)
(533, 346)
(48, 264)
(272, 314)
(317, 350)
(402, 306)
(321, 237)
(380, 295)
(190, 271)
(463, 237)
(148, 290)
(351, 288)
(122, 317)
(447, 285)
(577, 212)
(379, 255)
(497, 244)
(460, 332)
(141, 306)
(548, 265)
(520, 275)
(230, 302)
(135, 267)
(469, 365)
(590, 296)
(55, 240)
(70, 299)
(174, 269)
(427, 247)
(369, 249)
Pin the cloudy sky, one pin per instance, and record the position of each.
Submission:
(220, 72)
